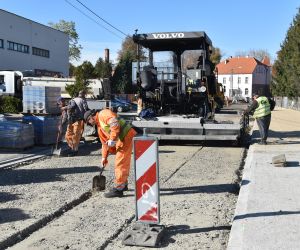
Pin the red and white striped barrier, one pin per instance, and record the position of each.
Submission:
(145, 152)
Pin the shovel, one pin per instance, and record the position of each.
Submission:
(56, 150)
(99, 181)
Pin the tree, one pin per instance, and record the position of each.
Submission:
(103, 69)
(82, 73)
(215, 56)
(128, 45)
(122, 79)
(190, 57)
(80, 84)
(286, 69)
(72, 69)
(10, 104)
(69, 28)
(86, 70)
(258, 54)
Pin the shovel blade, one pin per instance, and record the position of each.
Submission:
(56, 152)
(99, 182)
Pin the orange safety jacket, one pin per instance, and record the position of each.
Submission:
(111, 128)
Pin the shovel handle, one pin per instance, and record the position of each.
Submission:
(101, 170)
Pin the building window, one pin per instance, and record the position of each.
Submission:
(246, 91)
(18, 47)
(239, 79)
(40, 52)
(1, 43)
(224, 80)
(246, 79)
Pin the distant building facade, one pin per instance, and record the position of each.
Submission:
(28, 45)
(243, 76)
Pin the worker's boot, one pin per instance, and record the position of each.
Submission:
(114, 193)
(125, 188)
(72, 153)
(263, 142)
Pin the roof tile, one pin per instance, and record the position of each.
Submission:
(238, 65)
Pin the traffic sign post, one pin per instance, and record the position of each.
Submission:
(146, 180)
(146, 231)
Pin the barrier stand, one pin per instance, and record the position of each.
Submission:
(146, 231)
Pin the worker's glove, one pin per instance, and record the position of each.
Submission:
(111, 143)
(104, 162)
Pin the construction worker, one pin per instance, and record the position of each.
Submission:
(62, 127)
(76, 109)
(116, 138)
(204, 106)
(140, 104)
(262, 107)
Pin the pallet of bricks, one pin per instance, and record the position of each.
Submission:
(15, 135)
(41, 110)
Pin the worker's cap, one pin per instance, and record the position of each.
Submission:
(59, 100)
(255, 94)
(88, 114)
(82, 93)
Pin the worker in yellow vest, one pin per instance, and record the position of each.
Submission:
(116, 137)
(262, 107)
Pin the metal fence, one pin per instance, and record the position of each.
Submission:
(289, 103)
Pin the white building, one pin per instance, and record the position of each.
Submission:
(243, 76)
(28, 45)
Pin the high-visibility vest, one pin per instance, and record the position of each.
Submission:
(263, 108)
(124, 128)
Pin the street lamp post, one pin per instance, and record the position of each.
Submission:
(231, 85)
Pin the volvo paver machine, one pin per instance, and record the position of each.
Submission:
(183, 100)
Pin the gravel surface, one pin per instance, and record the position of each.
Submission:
(51, 202)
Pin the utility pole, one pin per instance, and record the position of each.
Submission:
(231, 85)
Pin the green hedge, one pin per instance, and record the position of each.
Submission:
(10, 104)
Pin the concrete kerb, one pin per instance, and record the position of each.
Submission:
(236, 232)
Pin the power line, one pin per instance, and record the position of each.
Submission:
(92, 19)
(101, 18)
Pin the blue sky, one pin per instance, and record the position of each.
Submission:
(232, 25)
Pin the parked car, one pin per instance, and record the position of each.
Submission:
(120, 106)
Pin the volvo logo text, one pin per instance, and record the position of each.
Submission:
(168, 35)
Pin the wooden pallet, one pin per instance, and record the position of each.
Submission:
(38, 112)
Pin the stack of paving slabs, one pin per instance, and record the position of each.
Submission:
(45, 128)
(41, 99)
(279, 160)
(41, 110)
(16, 135)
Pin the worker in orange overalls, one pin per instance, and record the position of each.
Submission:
(76, 109)
(116, 137)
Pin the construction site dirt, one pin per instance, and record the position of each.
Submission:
(49, 204)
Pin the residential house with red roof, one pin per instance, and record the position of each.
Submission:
(243, 76)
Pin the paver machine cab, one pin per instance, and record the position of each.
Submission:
(184, 91)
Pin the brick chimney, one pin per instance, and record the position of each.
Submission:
(106, 55)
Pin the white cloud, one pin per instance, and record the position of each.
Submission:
(93, 50)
